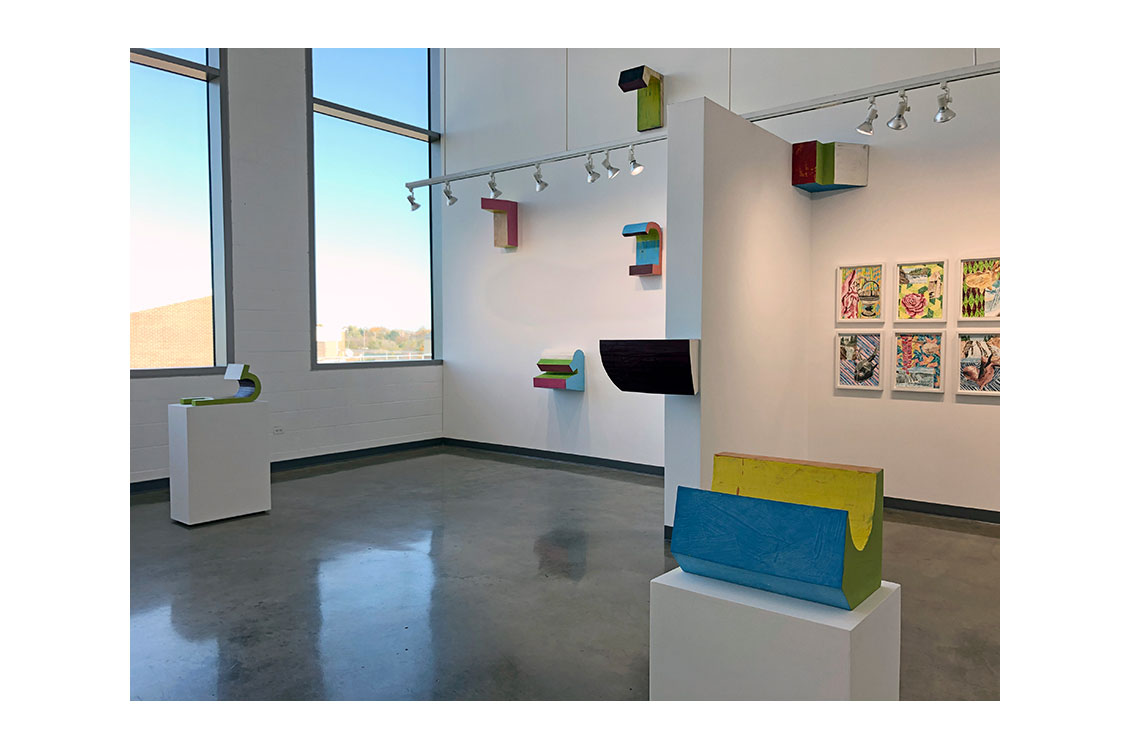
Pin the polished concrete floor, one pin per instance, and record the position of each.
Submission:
(449, 573)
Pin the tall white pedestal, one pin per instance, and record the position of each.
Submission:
(715, 640)
(219, 464)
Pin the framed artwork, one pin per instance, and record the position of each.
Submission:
(858, 360)
(918, 361)
(920, 295)
(859, 293)
(979, 365)
(980, 288)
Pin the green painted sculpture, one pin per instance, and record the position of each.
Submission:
(249, 388)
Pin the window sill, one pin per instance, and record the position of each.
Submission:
(175, 372)
(367, 365)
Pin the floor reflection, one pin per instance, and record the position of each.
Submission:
(375, 639)
(155, 645)
(563, 553)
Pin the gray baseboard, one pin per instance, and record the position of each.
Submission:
(162, 484)
(607, 463)
(917, 506)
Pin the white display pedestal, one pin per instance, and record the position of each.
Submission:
(219, 465)
(715, 640)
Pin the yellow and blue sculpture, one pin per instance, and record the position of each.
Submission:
(800, 528)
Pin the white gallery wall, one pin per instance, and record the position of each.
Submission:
(931, 186)
(325, 411)
(933, 193)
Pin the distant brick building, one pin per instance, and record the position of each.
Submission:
(177, 335)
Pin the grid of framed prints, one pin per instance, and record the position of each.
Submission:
(918, 350)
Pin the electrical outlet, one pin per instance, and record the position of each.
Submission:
(278, 430)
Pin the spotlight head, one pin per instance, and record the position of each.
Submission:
(608, 168)
(412, 201)
(866, 127)
(593, 174)
(451, 199)
(494, 191)
(541, 184)
(634, 167)
(945, 114)
(898, 122)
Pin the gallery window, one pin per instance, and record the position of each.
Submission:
(371, 259)
(178, 248)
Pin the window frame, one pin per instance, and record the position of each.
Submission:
(214, 76)
(378, 122)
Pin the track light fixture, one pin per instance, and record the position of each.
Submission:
(898, 122)
(865, 127)
(494, 191)
(945, 114)
(412, 200)
(610, 170)
(633, 166)
(541, 184)
(593, 174)
(451, 199)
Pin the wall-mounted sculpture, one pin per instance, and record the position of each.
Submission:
(505, 221)
(668, 366)
(648, 86)
(649, 248)
(799, 528)
(829, 166)
(562, 372)
(249, 388)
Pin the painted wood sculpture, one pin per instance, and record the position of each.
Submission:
(562, 372)
(648, 86)
(505, 221)
(799, 528)
(668, 366)
(649, 248)
(829, 166)
(249, 388)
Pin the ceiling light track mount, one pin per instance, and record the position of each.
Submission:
(867, 94)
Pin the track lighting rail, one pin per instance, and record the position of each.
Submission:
(909, 84)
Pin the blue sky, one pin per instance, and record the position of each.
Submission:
(371, 251)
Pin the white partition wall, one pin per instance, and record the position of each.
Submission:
(734, 213)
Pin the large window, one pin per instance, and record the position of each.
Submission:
(176, 215)
(372, 255)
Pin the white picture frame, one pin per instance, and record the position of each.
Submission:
(878, 364)
(897, 296)
(963, 374)
(904, 383)
(959, 293)
(876, 297)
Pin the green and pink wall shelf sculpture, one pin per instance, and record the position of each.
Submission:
(829, 166)
(649, 248)
(648, 86)
(505, 221)
(249, 388)
(562, 372)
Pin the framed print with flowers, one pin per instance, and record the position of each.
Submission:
(920, 293)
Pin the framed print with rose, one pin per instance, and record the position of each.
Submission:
(920, 292)
(859, 293)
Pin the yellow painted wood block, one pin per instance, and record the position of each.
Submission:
(858, 490)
